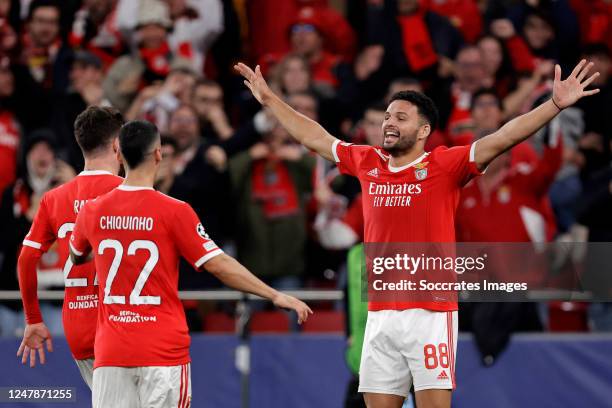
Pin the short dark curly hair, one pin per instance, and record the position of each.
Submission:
(96, 127)
(425, 106)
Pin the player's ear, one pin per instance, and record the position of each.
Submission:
(158, 155)
(424, 131)
(116, 145)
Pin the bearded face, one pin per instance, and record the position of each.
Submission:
(401, 127)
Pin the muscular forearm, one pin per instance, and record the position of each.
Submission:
(513, 133)
(28, 283)
(233, 274)
(304, 130)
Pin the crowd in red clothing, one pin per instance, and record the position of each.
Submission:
(170, 61)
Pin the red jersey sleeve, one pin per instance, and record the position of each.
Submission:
(193, 242)
(41, 234)
(354, 216)
(348, 156)
(459, 162)
(79, 242)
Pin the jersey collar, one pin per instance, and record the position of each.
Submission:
(404, 167)
(123, 187)
(95, 173)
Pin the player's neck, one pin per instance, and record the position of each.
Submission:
(109, 164)
(405, 158)
(139, 178)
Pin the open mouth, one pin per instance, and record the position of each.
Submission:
(391, 136)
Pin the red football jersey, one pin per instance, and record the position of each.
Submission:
(412, 203)
(55, 221)
(137, 236)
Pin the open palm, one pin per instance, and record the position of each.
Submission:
(566, 93)
(254, 80)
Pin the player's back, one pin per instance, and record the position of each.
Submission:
(55, 221)
(137, 235)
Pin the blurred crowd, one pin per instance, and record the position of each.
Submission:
(286, 214)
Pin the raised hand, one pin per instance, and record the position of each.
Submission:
(255, 81)
(289, 302)
(35, 337)
(566, 93)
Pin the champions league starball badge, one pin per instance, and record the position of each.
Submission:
(201, 231)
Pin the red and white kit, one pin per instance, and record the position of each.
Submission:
(412, 203)
(55, 221)
(137, 236)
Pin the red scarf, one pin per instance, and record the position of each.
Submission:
(273, 187)
(157, 60)
(418, 47)
(107, 42)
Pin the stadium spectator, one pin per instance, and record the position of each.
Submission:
(463, 14)
(415, 39)
(42, 69)
(596, 113)
(277, 17)
(156, 103)
(269, 183)
(208, 104)
(95, 29)
(195, 25)
(196, 180)
(42, 171)
(10, 133)
(469, 76)
(292, 75)
(151, 61)
(165, 174)
(85, 89)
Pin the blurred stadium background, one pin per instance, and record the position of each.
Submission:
(292, 218)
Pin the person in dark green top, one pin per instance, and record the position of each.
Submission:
(270, 185)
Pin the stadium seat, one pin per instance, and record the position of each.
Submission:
(324, 321)
(567, 317)
(218, 322)
(269, 322)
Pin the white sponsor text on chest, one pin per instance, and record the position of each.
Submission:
(393, 194)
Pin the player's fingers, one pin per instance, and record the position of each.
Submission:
(557, 73)
(32, 358)
(20, 349)
(589, 80)
(49, 343)
(584, 72)
(591, 92)
(26, 353)
(248, 72)
(258, 71)
(577, 68)
(248, 85)
(244, 70)
(41, 354)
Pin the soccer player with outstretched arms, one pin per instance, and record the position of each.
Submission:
(410, 195)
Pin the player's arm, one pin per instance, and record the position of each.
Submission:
(196, 246)
(304, 130)
(36, 335)
(233, 274)
(565, 93)
(80, 249)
